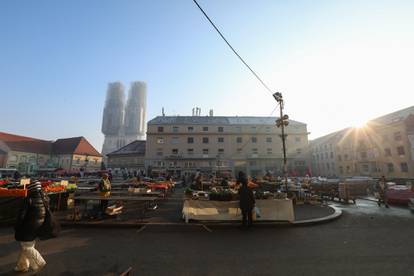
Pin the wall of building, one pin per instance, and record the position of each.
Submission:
(375, 150)
(230, 147)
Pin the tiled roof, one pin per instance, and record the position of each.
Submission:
(75, 145)
(7, 137)
(136, 147)
(216, 120)
(25, 144)
(40, 147)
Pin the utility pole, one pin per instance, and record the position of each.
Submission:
(282, 122)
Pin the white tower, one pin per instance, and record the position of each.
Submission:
(113, 118)
(135, 124)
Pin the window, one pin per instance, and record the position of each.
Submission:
(221, 151)
(269, 139)
(175, 140)
(190, 129)
(404, 167)
(254, 139)
(220, 129)
(397, 136)
(401, 150)
(327, 166)
(190, 140)
(341, 170)
(298, 151)
(190, 151)
(160, 140)
(331, 155)
(77, 160)
(220, 139)
(13, 158)
(387, 152)
(390, 167)
(254, 150)
(346, 156)
(238, 129)
(205, 140)
(253, 128)
(159, 153)
(174, 151)
(160, 129)
(268, 129)
(239, 140)
(239, 150)
(384, 137)
(252, 163)
(205, 151)
(269, 151)
(364, 154)
(339, 158)
(297, 139)
(326, 155)
(175, 129)
(348, 169)
(365, 168)
(205, 128)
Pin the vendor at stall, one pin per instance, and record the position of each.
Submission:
(104, 188)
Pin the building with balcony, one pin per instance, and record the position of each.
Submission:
(185, 144)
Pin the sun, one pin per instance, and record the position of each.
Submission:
(360, 123)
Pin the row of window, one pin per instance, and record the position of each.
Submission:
(219, 151)
(206, 140)
(365, 168)
(176, 129)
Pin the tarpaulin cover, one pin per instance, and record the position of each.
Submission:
(270, 210)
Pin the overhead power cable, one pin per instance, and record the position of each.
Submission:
(234, 51)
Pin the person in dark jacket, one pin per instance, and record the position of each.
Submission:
(29, 220)
(246, 200)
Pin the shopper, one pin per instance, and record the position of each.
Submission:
(30, 218)
(382, 190)
(105, 190)
(246, 200)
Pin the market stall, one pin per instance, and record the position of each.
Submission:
(210, 210)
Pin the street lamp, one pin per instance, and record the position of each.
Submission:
(282, 122)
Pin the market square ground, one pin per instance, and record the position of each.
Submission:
(366, 240)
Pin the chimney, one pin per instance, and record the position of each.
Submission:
(163, 113)
(193, 112)
(211, 113)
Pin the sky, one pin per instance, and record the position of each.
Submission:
(337, 63)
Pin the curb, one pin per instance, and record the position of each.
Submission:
(334, 216)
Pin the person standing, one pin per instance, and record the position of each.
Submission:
(105, 190)
(382, 190)
(246, 201)
(29, 220)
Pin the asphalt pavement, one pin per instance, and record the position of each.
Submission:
(366, 240)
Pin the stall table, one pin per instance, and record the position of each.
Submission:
(148, 201)
(208, 210)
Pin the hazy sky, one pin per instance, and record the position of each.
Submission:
(337, 63)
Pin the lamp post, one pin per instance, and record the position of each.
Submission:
(282, 122)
